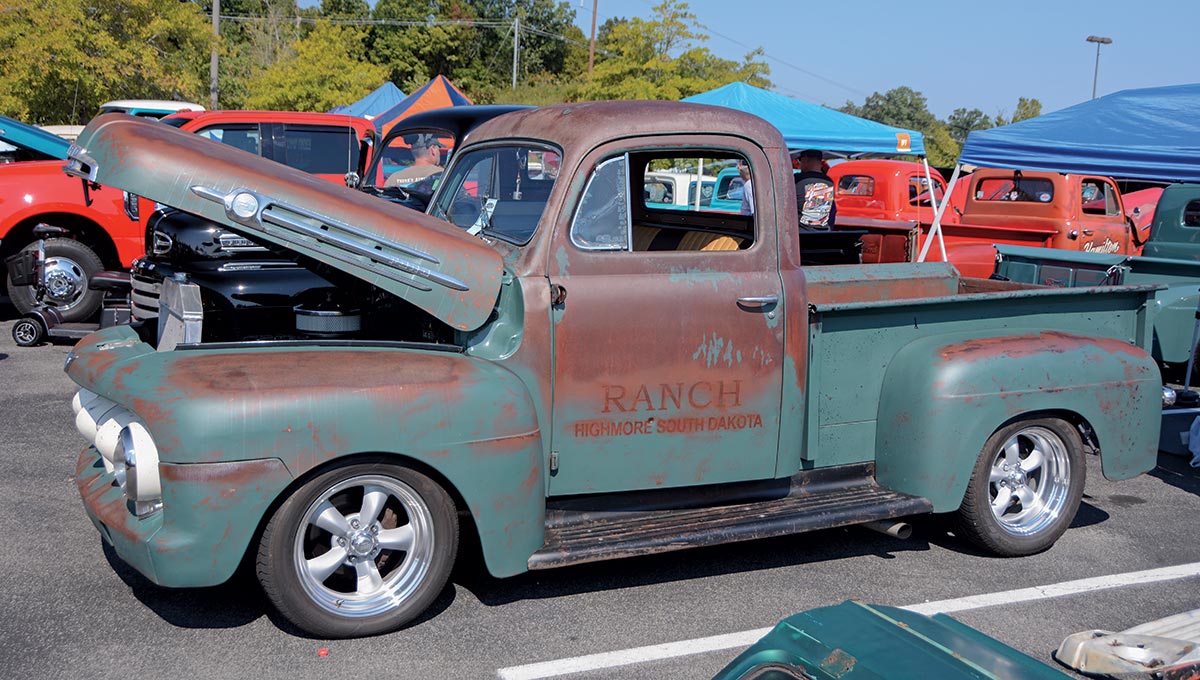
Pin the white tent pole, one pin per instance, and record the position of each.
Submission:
(937, 217)
(932, 202)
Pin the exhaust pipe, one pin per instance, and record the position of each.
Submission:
(893, 528)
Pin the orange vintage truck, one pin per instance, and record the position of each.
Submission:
(890, 199)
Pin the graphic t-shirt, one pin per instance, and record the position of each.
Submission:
(814, 200)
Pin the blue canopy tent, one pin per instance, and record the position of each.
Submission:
(1151, 133)
(381, 99)
(809, 126)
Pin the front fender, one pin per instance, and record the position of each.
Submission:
(943, 396)
(469, 420)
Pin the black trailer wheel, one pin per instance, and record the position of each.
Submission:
(1025, 489)
(68, 267)
(28, 332)
(359, 550)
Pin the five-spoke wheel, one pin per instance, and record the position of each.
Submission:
(359, 550)
(1025, 488)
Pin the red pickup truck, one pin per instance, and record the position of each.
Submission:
(106, 229)
(890, 199)
(91, 231)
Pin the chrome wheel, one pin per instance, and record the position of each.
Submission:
(364, 546)
(65, 280)
(1029, 481)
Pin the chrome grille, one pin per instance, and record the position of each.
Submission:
(144, 297)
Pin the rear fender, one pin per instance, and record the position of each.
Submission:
(943, 396)
(1175, 322)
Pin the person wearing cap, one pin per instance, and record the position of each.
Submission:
(814, 193)
(427, 156)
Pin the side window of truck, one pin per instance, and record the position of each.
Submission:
(856, 185)
(1020, 189)
(648, 201)
(320, 150)
(1191, 214)
(918, 190)
(240, 136)
(1098, 197)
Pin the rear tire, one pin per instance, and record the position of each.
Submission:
(70, 265)
(359, 550)
(1025, 488)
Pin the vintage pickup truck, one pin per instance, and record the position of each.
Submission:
(560, 373)
(1171, 259)
(1040, 209)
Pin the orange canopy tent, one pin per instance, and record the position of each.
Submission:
(438, 93)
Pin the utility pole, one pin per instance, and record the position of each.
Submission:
(1099, 40)
(592, 45)
(212, 66)
(516, 47)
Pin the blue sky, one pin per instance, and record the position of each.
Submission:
(968, 53)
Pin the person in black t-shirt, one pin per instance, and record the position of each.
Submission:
(814, 193)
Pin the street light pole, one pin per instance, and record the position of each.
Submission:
(1099, 40)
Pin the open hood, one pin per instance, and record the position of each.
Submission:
(30, 138)
(430, 263)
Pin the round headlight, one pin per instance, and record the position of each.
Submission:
(90, 415)
(109, 431)
(117, 464)
(138, 464)
(1169, 396)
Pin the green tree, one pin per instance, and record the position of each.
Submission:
(63, 58)
(543, 22)
(415, 53)
(322, 72)
(345, 9)
(906, 108)
(899, 107)
(662, 58)
(261, 36)
(1026, 109)
(962, 121)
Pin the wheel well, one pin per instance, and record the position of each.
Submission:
(80, 228)
(1091, 444)
(467, 528)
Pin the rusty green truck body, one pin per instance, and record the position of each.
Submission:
(582, 375)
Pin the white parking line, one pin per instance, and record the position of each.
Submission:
(668, 650)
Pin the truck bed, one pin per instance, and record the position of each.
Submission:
(860, 317)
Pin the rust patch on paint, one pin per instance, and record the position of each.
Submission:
(1013, 346)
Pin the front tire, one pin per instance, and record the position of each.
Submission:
(359, 550)
(1025, 488)
(69, 267)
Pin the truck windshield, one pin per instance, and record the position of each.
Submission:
(499, 190)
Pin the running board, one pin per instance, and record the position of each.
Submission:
(590, 529)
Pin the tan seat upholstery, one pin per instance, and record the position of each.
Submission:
(656, 239)
(703, 240)
(643, 237)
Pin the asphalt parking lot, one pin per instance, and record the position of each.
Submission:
(71, 609)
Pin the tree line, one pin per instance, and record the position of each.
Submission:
(63, 58)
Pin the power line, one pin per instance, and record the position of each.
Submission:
(806, 72)
(772, 58)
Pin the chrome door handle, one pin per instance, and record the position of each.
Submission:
(758, 300)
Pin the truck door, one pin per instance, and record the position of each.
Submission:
(1102, 226)
(668, 333)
